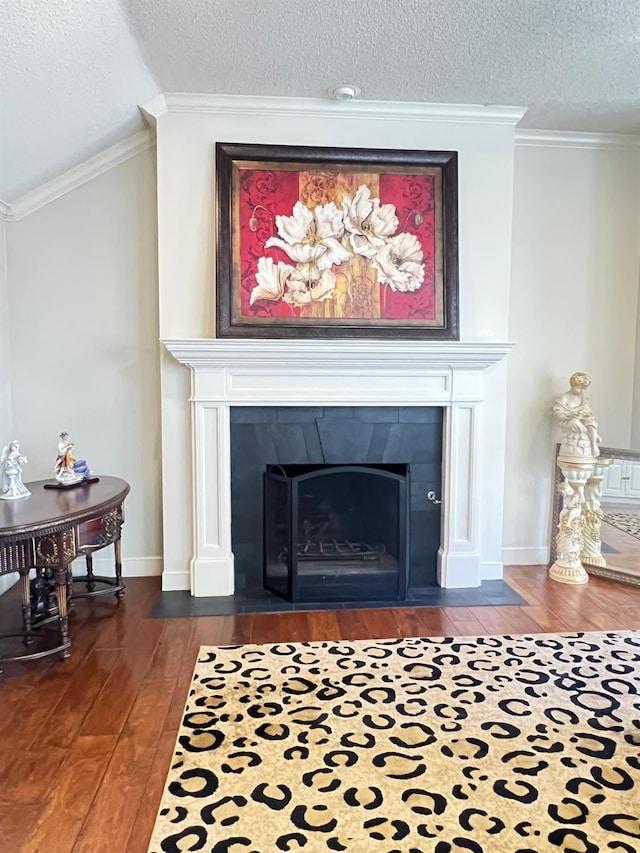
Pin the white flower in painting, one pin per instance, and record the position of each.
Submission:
(302, 291)
(271, 280)
(297, 293)
(306, 272)
(323, 287)
(399, 263)
(368, 222)
(311, 236)
(330, 222)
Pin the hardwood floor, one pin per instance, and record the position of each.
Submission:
(627, 558)
(86, 743)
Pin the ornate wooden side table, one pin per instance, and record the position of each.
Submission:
(47, 531)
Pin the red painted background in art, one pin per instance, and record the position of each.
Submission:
(265, 194)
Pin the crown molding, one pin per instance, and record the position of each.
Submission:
(565, 139)
(79, 175)
(177, 102)
(153, 109)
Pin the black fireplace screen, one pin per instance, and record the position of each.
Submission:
(336, 532)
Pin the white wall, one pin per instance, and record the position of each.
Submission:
(5, 376)
(574, 302)
(186, 235)
(82, 281)
(634, 443)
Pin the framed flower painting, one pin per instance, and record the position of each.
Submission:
(336, 242)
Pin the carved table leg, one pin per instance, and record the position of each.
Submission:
(118, 553)
(90, 581)
(61, 575)
(70, 601)
(26, 606)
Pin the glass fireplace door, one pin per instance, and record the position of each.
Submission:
(336, 532)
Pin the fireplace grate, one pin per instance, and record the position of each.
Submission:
(329, 550)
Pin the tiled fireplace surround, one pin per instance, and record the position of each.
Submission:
(457, 376)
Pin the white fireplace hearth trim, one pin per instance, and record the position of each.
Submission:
(233, 372)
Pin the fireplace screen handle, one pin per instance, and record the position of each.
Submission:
(431, 496)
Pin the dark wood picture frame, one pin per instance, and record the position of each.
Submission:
(400, 278)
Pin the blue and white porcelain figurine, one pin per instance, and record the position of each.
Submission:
(11, 464)
(69, 470)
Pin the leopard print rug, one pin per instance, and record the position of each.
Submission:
(629, 522)
(516, 744)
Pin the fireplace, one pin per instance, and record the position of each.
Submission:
(466, 379)
(336, 532)
(292, 442)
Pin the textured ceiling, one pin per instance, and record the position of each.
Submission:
(74, 71)
(71, 76)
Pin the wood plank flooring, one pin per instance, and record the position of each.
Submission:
(85, 744)
(627, 558)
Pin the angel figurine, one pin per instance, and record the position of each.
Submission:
(11, 464)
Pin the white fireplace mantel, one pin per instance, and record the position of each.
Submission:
(235, 372)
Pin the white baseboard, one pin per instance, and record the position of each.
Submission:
(491, 571)
(176, 581)
(132, 567)
(7, 581)
(536, 556)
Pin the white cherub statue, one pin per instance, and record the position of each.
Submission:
(11, 463)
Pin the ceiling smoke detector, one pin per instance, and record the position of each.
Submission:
(343, 93)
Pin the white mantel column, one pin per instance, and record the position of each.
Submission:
(459, 556)
(212, 563)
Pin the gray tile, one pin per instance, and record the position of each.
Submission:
(298, 414)
(344, 441)
(171, 605)
(261, 435)
(265, 445)
(377, 414)
(393, 452)
(429, 472)
(419, 489)
(245, 450)
(182, 604)
(290, 444)
(379, 439)
(420, 414)
(253, 414)
(223, 606)
(413, 414)
(279, 605)
(421, 443)
(312, 440)
(338, 412)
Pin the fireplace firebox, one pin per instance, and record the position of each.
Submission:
(336, 532)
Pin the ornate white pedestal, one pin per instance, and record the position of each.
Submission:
(591, 553)
(568, 567)
(580, 517)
